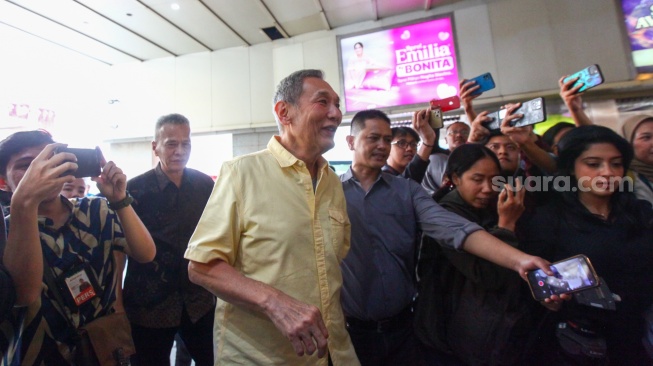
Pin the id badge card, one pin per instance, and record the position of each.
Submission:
(78, 285)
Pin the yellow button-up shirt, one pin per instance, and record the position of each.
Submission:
(264, 219)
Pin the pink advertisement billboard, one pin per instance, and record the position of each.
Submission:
(404, 65)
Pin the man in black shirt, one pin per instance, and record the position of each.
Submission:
(159, 299)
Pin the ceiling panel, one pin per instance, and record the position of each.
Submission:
(118, 31)
(246, 19)
(139, 19)
(199, 22)
(87, 22)
(341, 13)
(41, 27)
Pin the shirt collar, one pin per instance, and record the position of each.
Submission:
(386, 177)
(162, 179)
(286, 159)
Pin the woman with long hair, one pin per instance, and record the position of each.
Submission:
(593, 213)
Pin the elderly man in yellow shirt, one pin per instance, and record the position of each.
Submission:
(271, 239)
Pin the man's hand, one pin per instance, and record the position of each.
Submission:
(112, 182)
(510, 205)
(519, 135)
(477, 131)
(301, 323)
(44, 177)
(467, 88)
(421, 124)
(570, 95)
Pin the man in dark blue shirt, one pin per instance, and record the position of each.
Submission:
(158, 297)
(387, 215)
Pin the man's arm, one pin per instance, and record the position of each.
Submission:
(23, 256)
(426, 133)
(112, 183)
(526, 139)
(301, 323)
(574, 101)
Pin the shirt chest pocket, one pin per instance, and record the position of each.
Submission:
(337, 220)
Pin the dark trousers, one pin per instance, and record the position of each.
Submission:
(153, 345)
(395, 346)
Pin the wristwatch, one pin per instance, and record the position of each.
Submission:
(122, 203)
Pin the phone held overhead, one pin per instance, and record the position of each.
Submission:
(485, 83)
(590, 77)
(533, 111)
(446, 104)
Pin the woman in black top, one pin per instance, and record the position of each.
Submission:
(592, 213)
(468, 308)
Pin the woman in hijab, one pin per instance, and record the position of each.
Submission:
(638, 130)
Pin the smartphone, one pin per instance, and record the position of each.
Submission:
(446, 104)
(496, 118)
(570, 275)
(590, 77)
(485, 82)
(435, 119)
(88, 162)
(534, 111)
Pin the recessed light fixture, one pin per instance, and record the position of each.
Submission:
(174, 6)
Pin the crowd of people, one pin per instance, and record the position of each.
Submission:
(416, 255)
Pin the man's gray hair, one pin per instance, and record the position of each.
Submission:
(291, 87)
(172, 119)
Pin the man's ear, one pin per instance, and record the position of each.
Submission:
(154, 148)
(282, 110)
(350, 141)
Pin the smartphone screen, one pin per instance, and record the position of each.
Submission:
(485, 82)
(570, 275)
(534, 112)
(590, 77)
(88, 162)
(446, 104)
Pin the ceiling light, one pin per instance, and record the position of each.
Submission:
(174, 6)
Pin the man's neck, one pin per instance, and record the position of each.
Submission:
(397, 167)
(310, 158)
(366, 176)
(175, 177)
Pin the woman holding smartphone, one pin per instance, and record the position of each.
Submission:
(592, 212)
(470, 310)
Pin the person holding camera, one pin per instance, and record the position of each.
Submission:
(58, 242)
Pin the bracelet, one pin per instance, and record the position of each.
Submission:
(425, 144)
(122, 203)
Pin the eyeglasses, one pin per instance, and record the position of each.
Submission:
(463, 133)
(403, 144)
